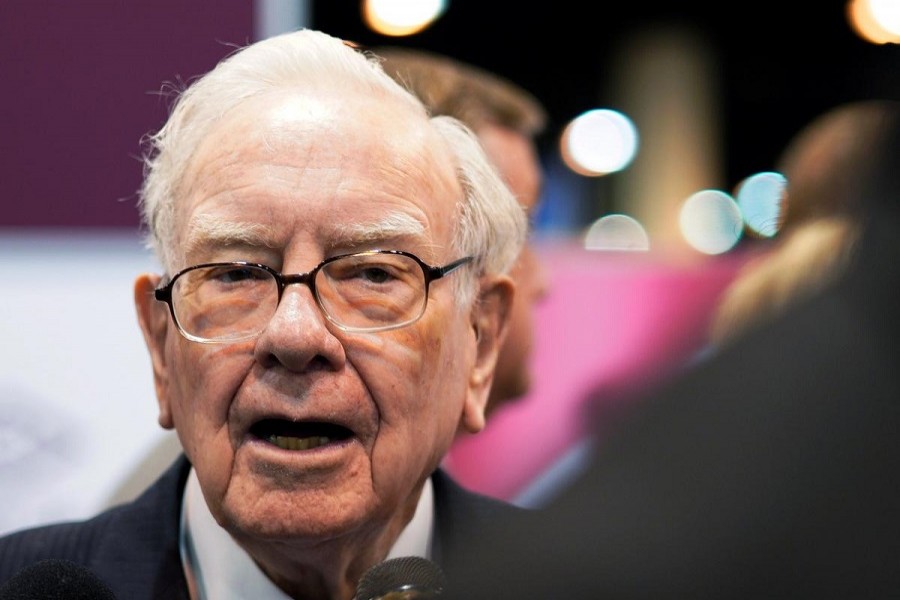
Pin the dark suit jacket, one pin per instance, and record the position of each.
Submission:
(134, 547)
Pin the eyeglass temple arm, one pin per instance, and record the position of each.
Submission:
(438, 272)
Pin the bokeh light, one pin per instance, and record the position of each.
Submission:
(887, 14)
(616, 233)
(401, 17)
(598, 142)
(876, 21)
(711, 221)
(761, 198)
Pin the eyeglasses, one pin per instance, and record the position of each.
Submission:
(228, 302)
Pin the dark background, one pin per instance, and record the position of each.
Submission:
(81, 79)
(780, 62)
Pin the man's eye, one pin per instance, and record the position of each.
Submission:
(235, 274)
(375, 275)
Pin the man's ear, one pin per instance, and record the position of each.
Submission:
(153, 317)
(490, 319)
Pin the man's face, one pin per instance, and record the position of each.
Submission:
(288, 183)
(516, 159)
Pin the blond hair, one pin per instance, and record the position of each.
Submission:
(474, 96)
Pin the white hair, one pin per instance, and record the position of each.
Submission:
(491, 224)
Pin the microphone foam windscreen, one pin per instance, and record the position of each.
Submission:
(55, 580)
(405, 577)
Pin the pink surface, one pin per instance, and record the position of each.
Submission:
(612, 320)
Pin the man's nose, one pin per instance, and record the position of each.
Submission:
(298, 334)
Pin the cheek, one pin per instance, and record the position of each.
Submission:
(441, 352)
(415, 377)
(205, 379)
(419, 398)
(392, 366)
(438, 398)
(208, 378)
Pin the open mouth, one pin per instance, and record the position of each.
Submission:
(292, 435)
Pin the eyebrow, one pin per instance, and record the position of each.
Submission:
(209, 231)
(205, 230)
(394, 225)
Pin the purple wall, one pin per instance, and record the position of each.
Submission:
(78, 83)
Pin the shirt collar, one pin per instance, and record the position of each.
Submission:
(217, 568)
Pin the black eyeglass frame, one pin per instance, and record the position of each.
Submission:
(430, 272)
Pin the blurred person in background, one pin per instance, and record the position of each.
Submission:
(770, 469)
(507, 120)
(826, 163)
(331, 305)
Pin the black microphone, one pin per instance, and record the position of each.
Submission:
(54, 579)
(402, 578)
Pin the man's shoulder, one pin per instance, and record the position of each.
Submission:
(462, 517)
(454, 500)
(461, 514)
(69, 540)
(146, 527)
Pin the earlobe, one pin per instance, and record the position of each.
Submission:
(490, 318)
(153, 318)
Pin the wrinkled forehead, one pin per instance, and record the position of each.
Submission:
(336, 146)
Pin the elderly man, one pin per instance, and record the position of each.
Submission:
(331, 311)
